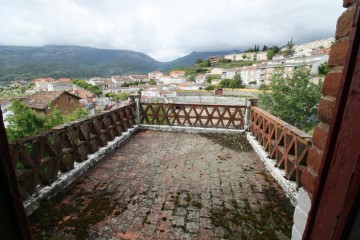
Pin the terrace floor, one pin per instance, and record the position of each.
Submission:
(170, 185)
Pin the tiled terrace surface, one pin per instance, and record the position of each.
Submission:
(169, 185)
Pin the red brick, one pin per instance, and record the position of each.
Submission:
(326, 109)
(344, 23)
(314, 158)
(338, 53)
(347, 3)
(308, 181)
(332, 83)
(320, 135)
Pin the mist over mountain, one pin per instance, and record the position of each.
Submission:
(74, 61)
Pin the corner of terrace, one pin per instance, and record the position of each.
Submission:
(175, 177)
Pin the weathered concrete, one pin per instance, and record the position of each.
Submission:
(166, 128)
(65, 179)
(170, 185)
(301, 214)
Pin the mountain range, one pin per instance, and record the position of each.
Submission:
(76, 62)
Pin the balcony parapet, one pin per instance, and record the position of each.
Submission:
(42, 159)
(193, 115)
(286, 144)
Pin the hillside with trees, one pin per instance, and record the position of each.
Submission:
(27, 63)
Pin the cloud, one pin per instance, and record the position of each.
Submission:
(165, 29)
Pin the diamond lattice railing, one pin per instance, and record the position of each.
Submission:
(193, 115)
(39, 160)
(283, 142)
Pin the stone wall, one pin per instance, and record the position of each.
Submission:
(332, 83)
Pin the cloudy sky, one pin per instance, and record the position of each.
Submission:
(166, 29)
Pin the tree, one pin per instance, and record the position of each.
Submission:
(122, 96)
(92, 88)
(210, 87)
(293, 99)
(23, 121)
(198, 61)
(270, 54)
(289, 49)
(323, 68)
(244, 56)
(205, 63)
(209, 78)
(232, 83)
(265, 48)
(275, 48)
(152, 82)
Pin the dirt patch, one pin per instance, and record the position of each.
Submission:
(237, 142)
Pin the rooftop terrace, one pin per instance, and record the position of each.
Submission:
(163, 171)
(171, 185)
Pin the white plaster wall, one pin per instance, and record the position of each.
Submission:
(301, 213)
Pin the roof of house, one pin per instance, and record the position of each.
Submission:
(41, 100)
(61, 83)
(139, 76)
(64, 80)
(177, 72)
(43, 80)
(82, 93)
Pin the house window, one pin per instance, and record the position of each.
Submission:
(69, 99)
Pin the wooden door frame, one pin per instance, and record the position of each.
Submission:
(334, 204)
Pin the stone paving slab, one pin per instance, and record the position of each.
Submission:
(169, 185)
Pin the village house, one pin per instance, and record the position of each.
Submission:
(64, 80)
(215, 81)
(84, 95)
(46, 102)
(217, 71)
(41, 84)
(190, 86)
(101, 82)
(167, 87)
(177, 74)
(119, 80)
(249, 56)
(87, 99)
(139, 78)
(213, 60)
(172, 80)
(200, 78)
(260, 56)
(155, 75)
(150, 93)
(249, 74)
(60, 86)
(230, 73)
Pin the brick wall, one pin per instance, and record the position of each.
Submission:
(332, 85)
(330, 89)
